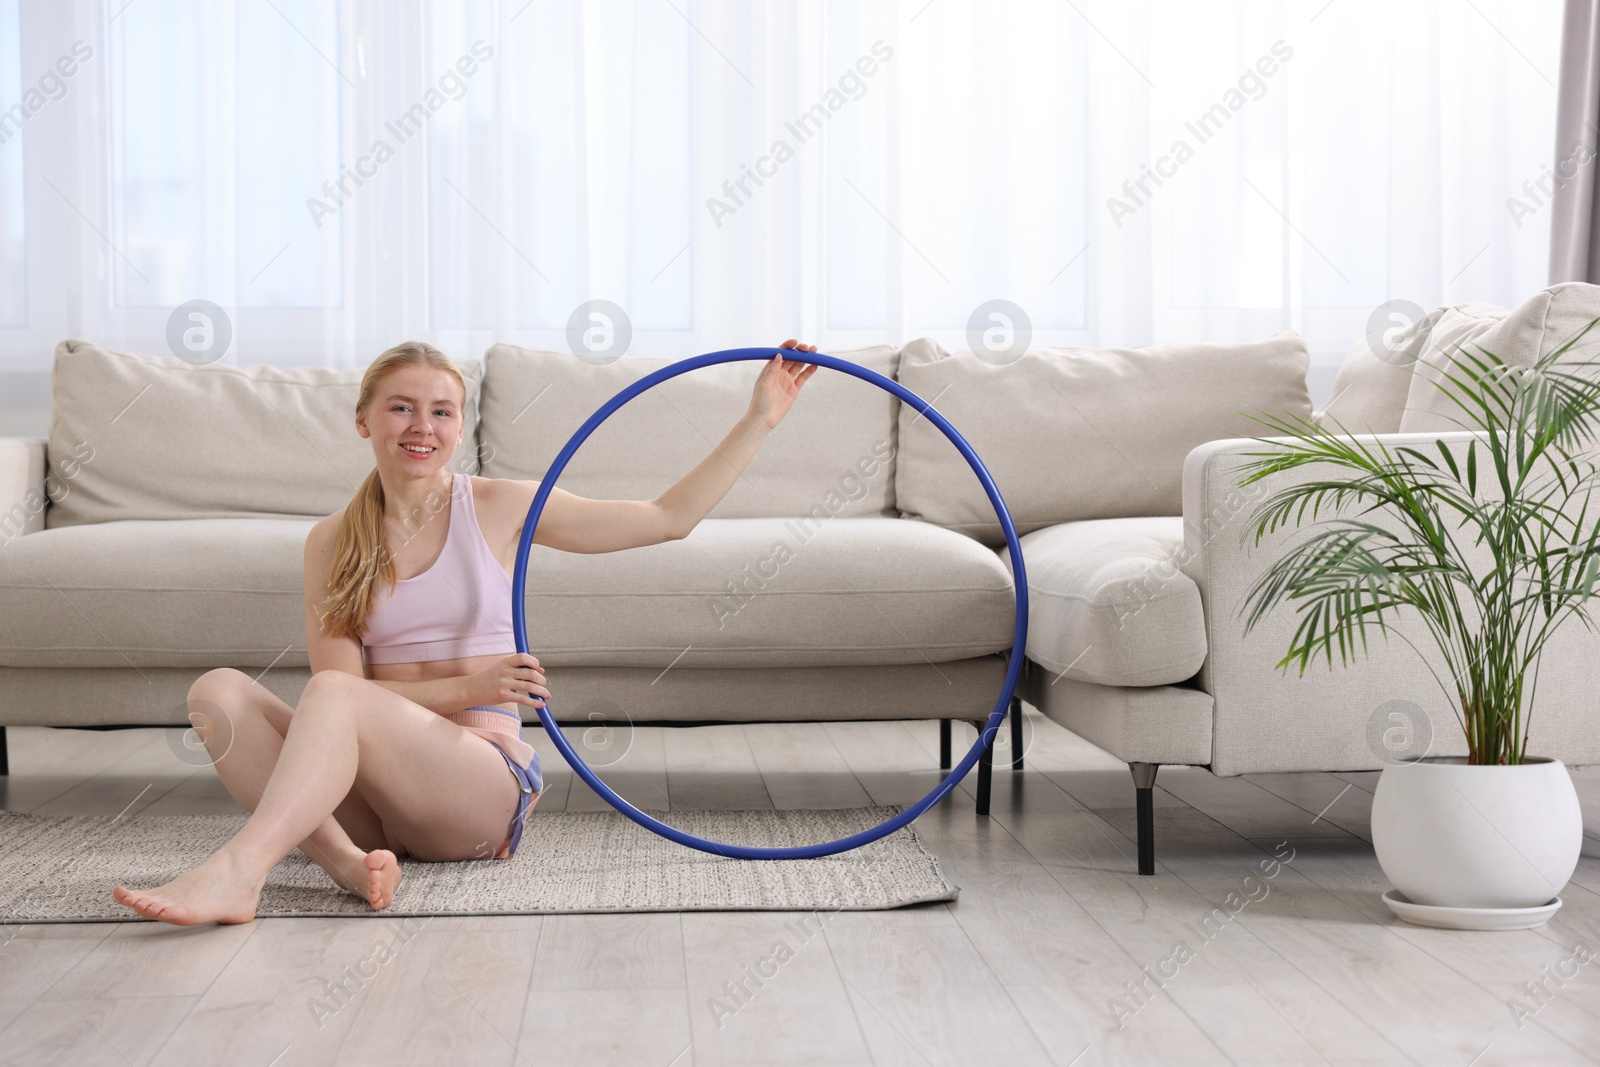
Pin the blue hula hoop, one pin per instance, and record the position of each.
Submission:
(1019, 581)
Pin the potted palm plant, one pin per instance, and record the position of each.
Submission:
(1491, 550)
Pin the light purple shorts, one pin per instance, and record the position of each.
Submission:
(529, 781)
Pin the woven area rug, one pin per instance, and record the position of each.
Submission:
(62, 868)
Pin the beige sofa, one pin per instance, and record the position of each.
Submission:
(855, 570)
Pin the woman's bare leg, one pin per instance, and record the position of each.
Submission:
(441, 793)
(243, 725)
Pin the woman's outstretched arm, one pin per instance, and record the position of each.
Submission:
(573, 523)
(693, 496)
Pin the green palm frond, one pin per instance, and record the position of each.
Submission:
(1520, 494)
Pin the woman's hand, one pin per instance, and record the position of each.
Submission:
(511, 680)
(779, 384)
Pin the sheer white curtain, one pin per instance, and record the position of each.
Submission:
(342, 176)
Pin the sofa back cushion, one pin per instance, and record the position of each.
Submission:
(834, 451)
(1373, 386)
(1520, 337)
(1369, 391)
(1079, 433)
(154, 437)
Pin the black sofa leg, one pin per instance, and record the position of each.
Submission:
(5, 757)
(1015, 715)
(944, 744)
(985, 772)
(1144, 781)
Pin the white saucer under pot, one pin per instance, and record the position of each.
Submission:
(1451, 835)
(1470, 918)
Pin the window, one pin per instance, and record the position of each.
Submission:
(342, 176)
(223, 127)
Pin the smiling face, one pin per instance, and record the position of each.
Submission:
(414, 421)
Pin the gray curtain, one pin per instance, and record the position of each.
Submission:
(1574, 220)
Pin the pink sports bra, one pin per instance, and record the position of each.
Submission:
(460, 606)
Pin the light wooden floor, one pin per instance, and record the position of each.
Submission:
(1052, 928)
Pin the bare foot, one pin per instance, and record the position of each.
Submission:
(219, 890)
(383, 877)
(374, 877)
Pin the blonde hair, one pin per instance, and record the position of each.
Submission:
(360, 556)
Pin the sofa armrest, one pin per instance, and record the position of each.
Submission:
(22, 495)
(1212, 494)
(1271, 718)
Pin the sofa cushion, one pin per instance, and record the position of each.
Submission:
(775, 592)
(153, 437)
(1078, 433)
(736, 592)
(1107, 602)
(1369, 391)
(1520, 337)
(183, 593)
(833, 454)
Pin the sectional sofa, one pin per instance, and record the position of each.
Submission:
(854, 571)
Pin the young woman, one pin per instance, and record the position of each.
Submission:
(409, 753)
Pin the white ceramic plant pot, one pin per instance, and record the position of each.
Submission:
(1457, 836)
